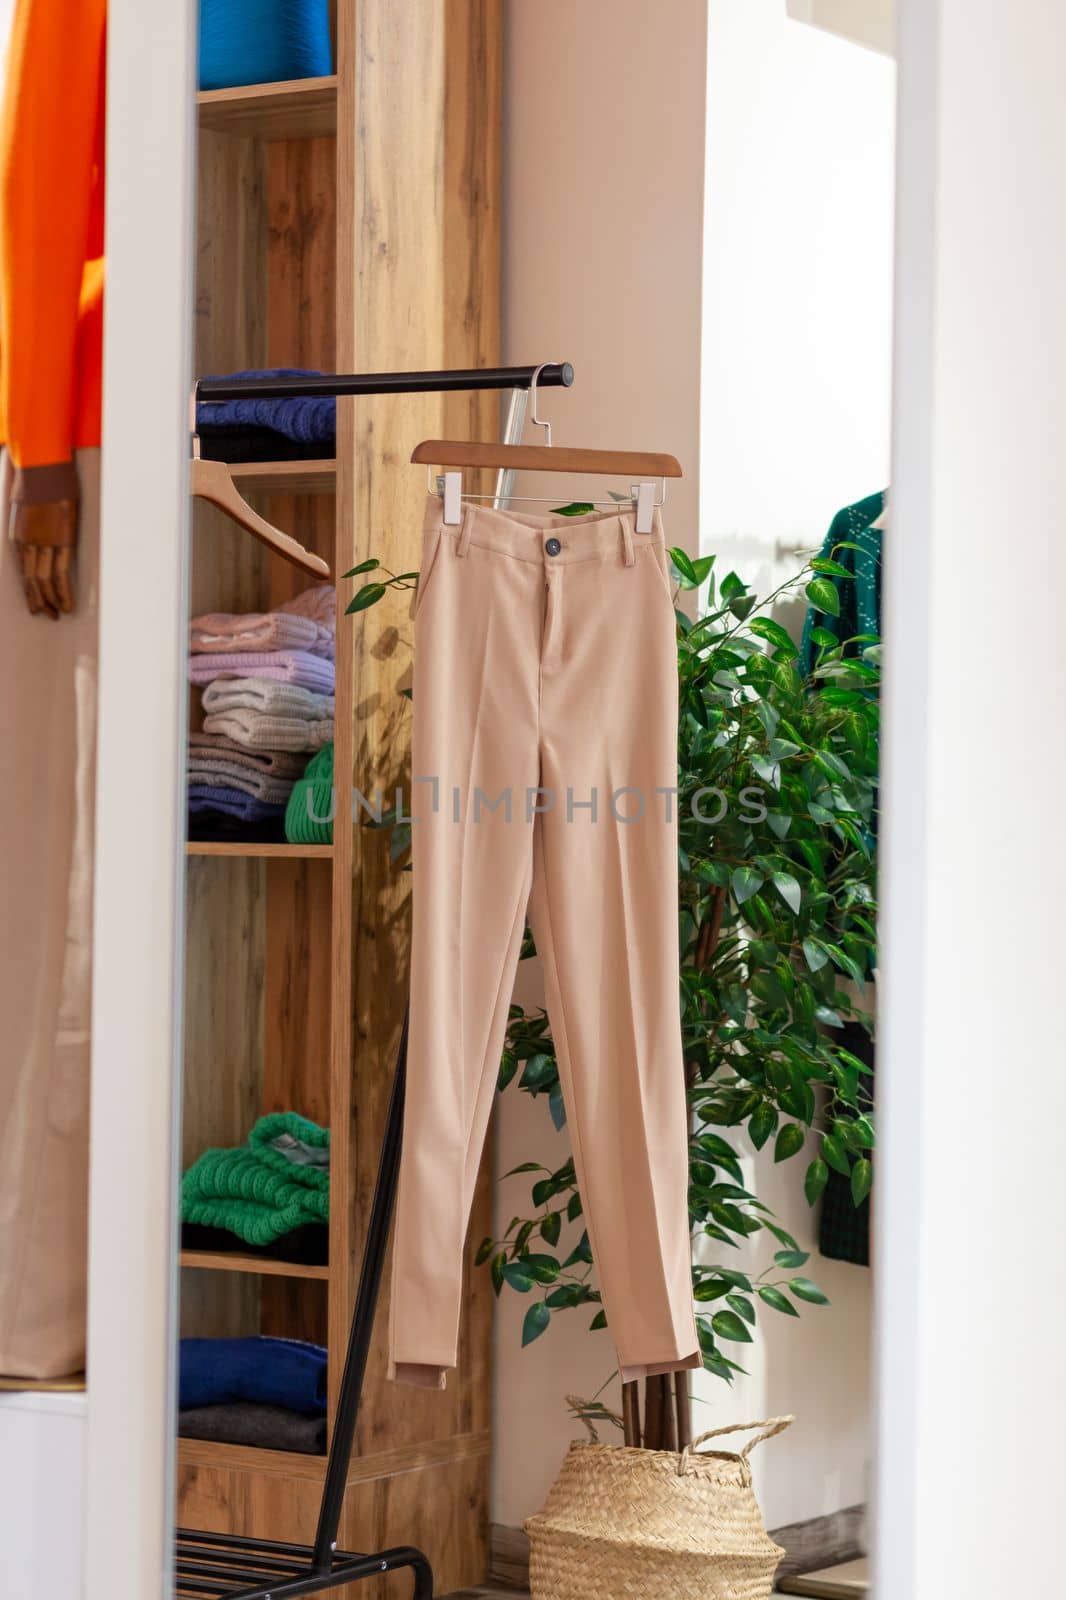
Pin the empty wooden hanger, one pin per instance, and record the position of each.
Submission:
(640, 467)
(213, 481)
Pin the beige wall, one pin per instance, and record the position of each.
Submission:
(603, 196)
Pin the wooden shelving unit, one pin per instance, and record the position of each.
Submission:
(346, 224)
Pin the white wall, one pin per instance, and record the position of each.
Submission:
(603, 186)
(973, 1408)
(795, 424)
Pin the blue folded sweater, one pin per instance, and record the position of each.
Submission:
(273, 1372)
(306, 419)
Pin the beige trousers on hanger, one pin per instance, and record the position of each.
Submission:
(48, 738)
(545, 763)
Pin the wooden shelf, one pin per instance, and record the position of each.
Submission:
(286, 477)
(262, 1266)
(303, 108)
(220, 1455)
(291, 852)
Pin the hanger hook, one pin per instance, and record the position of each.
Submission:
(533, 401)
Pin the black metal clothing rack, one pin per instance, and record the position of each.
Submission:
(217, 1566)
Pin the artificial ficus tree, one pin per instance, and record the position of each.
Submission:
(777, 775)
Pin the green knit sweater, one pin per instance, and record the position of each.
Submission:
(255, 1191)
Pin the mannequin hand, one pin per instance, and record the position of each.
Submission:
(45, 535)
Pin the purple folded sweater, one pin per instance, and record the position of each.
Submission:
(278, 666)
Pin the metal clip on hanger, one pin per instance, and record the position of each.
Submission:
(213, 481)
(640, 467)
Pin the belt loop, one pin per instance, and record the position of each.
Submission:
(628, 555)
(465, 531)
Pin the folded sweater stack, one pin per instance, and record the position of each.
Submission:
(267, 682)
(259, 1391)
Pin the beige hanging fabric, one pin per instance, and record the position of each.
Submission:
(47, 731)
(625, 1524)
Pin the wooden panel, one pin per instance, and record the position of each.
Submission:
(297, 983)
(225, 964)
(415, 290)
(301, 223)
(300, 109)
(442, 1510)
(291, 1309)
(224, 971)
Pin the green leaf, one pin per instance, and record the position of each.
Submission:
(538, 1071)
(804, 1289)
(541, 1268)
(484, 1250)
(514, 1273)
(814, 954)
(508, 1068)
(598, 1321)
(791, 1260)
(742, 1306)
(766, 628)
(536, 1320)
(835, 1154)
(822, 594)
(573, 1207)
(582, 1251)
(368, 595)
(789, 890)
(576, 508)
(364, 566)
(830, 568)
(746, 882)
(709, 1289)
(779, 1302)
(862, 1177)
(496, 1271)
(824, 639)
(525, 1166)
(762, 1124)
(689, 577)
(815, 1181)
(556, 1106)
(552, 1227)
(727, 1325)
(566, 1295)
(789, 1141)
(767, 986)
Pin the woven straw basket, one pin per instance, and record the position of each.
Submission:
(622, 1524)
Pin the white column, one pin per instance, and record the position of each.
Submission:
(971, 1083)
(137, 926)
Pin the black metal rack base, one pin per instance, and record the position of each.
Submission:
(229, 1565)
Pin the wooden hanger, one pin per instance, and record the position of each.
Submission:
(211, 480)
(640, 467)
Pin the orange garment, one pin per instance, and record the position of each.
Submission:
(52, 242)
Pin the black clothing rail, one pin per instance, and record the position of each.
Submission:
(552, 375)
(215, 1566)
